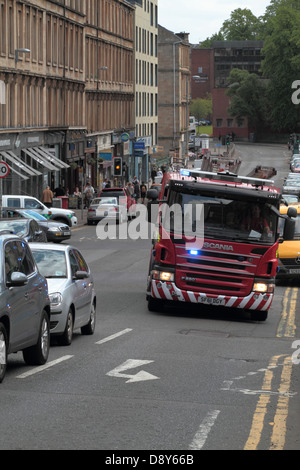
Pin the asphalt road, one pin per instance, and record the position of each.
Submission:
(180, 380)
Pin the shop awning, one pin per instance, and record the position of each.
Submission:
(17, 173)
(41, 161)
(50, 157)
(11, 157)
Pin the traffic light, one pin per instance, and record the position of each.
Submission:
(117, 166)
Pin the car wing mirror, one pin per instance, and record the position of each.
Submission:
(17, 279)
(81, 275)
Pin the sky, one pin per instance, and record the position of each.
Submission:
(202, 18)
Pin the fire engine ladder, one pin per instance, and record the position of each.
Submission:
(226, 176)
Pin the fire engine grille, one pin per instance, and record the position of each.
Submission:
(218, 273)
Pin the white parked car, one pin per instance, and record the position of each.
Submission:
(27, 202)
(105, 207)
(71, 289)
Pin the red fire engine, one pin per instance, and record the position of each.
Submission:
(228, 255)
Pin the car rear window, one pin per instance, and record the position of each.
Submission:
(113, 193)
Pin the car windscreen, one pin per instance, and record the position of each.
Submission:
(220, 218)
(33, 215)
(18, 227)
(51, 263)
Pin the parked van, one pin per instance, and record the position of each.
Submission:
(289, 250)
(28, 202)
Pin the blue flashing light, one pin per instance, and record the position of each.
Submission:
(185, 172)
(194, 252)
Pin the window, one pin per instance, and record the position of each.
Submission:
(26, 263)
(18, 259)
(81, 261)
(74, 264)
(11, 260)
(31, 204)
(13, 202)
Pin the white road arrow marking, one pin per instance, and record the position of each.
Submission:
(132, 364)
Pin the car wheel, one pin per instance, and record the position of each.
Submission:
(66, 338)
(38, 354)
(90, 327)
(3, 351)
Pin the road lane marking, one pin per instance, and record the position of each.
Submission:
(287, 327)
(279, 428)
(36, 370)
(204, 430)
(116, 335)
(132, 364)
(277, 439)
(261, 409)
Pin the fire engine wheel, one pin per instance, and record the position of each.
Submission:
(155, 305)
(257, 315)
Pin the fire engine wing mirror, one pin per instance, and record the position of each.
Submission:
(289, 229)
(292, 212)
(289, 221)
(289, 225)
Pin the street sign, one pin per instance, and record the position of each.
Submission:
(4, 169)
(139, 145)
(125, 137)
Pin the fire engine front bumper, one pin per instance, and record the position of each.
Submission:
(169, 291)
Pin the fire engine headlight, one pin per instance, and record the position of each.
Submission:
(263, 288)
(163, 276)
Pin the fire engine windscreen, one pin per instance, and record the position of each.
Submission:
(201, 216)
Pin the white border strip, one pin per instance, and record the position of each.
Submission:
(109, 338)
(36, 370)
(204, 430)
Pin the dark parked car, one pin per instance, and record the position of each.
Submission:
(24, 304)
(55, 231)
(28, 229)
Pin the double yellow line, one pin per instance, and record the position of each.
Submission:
(286, 328)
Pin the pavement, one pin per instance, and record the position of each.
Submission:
(81, 215)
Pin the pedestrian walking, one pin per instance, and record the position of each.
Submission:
(88, 195)
(136, 188)
(143, 192)
(47, 197)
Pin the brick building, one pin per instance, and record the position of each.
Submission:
(213, 67)
(174, 92)
(202, 68)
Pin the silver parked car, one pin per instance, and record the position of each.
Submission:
(24, 304)
(106, 207)
(71, 289)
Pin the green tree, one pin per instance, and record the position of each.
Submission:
(241, 26)
(281, 64)
(201, 108)
(247, 94)
(208, 41)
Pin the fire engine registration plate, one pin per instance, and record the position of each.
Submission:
(211, 301)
